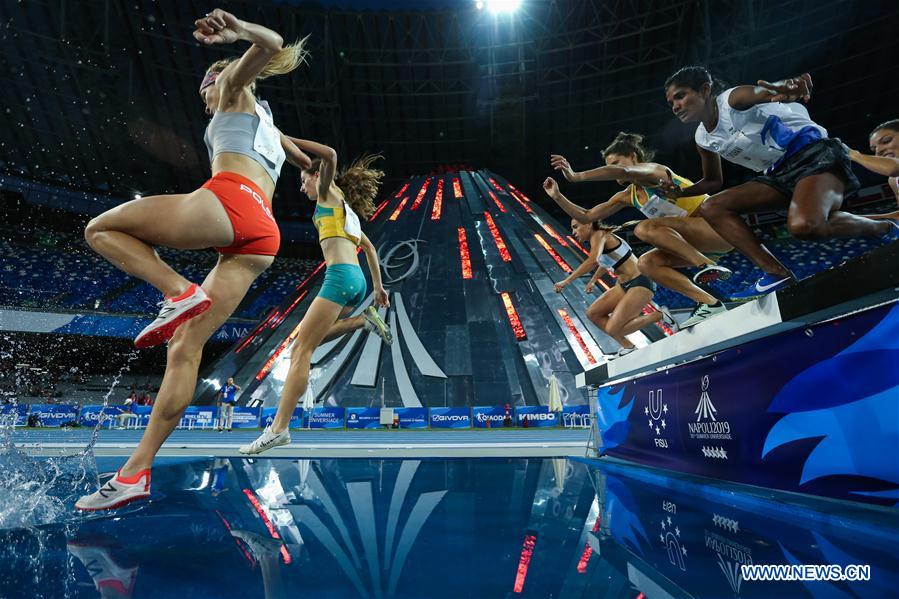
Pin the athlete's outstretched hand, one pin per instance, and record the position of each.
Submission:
(789, 90)
(551, 187)
(381, 297)
(218, 27)
(669, 188)
(560, 163)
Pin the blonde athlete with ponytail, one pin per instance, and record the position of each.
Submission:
(341, 198)
(231, 212)
(618, 311)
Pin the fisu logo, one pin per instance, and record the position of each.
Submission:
(657, 409)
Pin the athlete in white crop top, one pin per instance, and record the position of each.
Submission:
(619, 310)
(240, 186)
(806, 172)
(884, 143)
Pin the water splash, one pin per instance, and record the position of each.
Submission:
(38, 491)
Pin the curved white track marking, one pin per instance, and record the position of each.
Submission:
(400, 488)
(407, 391)
(304, 515)
(366, 372)
(423, 360)
(420, 513)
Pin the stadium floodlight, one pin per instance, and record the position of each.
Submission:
(503, 6)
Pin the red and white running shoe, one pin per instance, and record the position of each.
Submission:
(111, 578)
(175, 311)
(118, 491)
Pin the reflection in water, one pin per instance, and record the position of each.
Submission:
(437, 528)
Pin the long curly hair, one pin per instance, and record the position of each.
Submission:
(359, 183)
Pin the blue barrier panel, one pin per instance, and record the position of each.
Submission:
(244, 417)
(363, 417)
(536, 415)
(326, 418)
(821, 418)
(143, 414)
(90, 415)
(198, 416)
(496, 415)
(578, 415)
(412, 417)
(54, 414)
(19, 410)
(268, 416)
(450, 417)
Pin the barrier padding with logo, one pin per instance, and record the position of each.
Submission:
(244, 417)
(268, 416)
(412, 417)
(90, 415)
(538, 416)
(326, 418)
(811, 410)
(54, 414)
(450, 417)
(198, 416)
(363, 417)
(495, 415)
(8, 412)
(578, 415)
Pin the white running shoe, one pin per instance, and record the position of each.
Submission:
(267, 440)
(174, 312)
(669, 320)
(703, 312)
(621, 352)
(99, 561)
(117, 492)
(260, 546)
(374, 323)
(711, 273)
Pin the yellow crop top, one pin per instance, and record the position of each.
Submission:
(651, 202)
(331, 222)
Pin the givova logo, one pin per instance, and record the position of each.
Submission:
(452, 418)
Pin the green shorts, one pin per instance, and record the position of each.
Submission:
(344, 284)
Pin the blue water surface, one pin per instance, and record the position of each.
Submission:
(535, 527)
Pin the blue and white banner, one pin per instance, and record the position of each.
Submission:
(363, 417)
(326, 418)
(578, 415)
(54, 414)
(821, 418)
(495, 415)
(450, 417)
(90, 415)
(100, 325)
(536, 416)
(10, 411)
(143, 414)
(268, 416)
(244, 417)
(412, 417)
(198, 417)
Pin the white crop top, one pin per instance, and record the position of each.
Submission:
(760, 136)
(612, 259)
